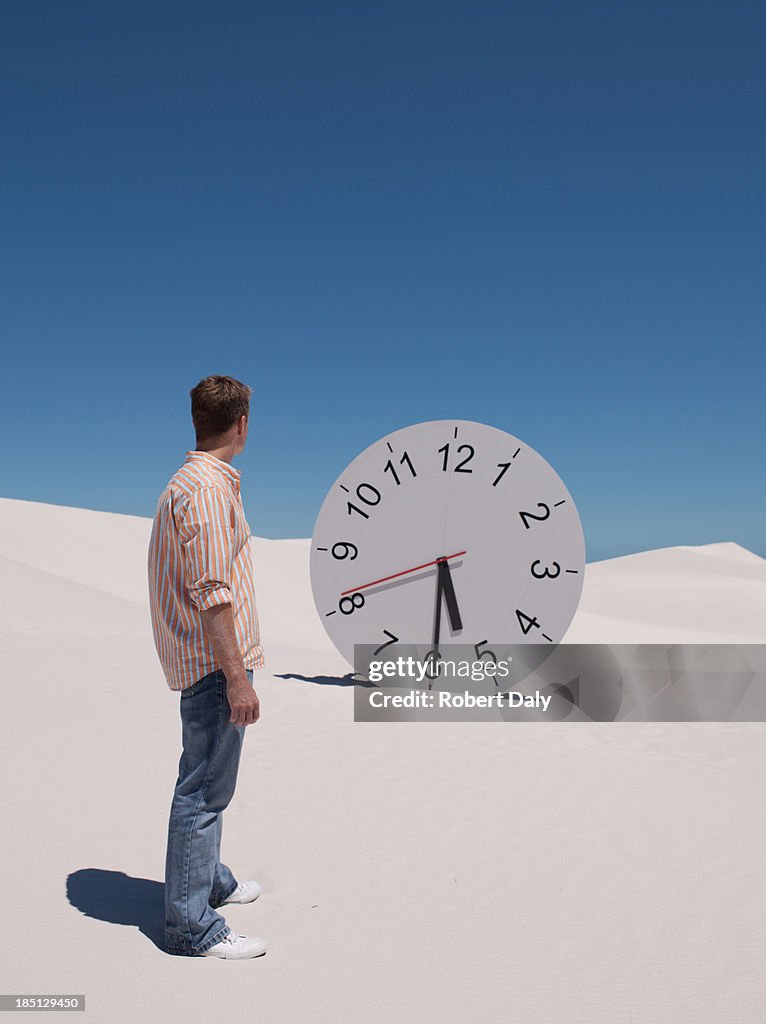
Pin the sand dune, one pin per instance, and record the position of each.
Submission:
(412, 871)
(715, 593)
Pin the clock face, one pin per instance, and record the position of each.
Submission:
(451, 493)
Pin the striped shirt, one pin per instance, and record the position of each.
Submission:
(199, 556)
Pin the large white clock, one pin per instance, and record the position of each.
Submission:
(447, 532)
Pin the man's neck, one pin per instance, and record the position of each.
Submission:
(225, 454)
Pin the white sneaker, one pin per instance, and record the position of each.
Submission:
(245, 892)
(237, 947)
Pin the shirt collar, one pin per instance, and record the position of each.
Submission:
(227, 470)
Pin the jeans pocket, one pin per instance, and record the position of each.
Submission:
(209, 679)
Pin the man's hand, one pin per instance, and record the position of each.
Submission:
(243, 700)
(218, 623)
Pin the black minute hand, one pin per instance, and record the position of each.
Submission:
(433, 654)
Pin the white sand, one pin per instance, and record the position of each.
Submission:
(423, 872)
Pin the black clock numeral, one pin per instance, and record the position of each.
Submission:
(525, 621)
(393, 640)
(480, 655)
(361, 492)
(502, 466)
(368, 488)
(460, 467)
(346, 546)
(547, 574)
(525, 516)
(390, 468)
(432, 660)
(351, 602)
(353, 508)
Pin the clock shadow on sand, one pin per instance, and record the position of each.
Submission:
(347, 680)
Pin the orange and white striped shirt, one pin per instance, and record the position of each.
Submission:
(199, 556)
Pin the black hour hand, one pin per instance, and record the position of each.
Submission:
(448, 589)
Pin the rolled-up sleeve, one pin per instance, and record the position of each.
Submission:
(207, 546)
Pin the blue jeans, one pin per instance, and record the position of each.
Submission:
(196, 882)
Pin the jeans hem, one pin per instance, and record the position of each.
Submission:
(179, 949)
(220, 903)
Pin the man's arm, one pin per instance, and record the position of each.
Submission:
(218, 623)
(206, 540)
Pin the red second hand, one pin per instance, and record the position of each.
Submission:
(404, 572)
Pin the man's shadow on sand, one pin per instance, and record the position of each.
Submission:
(116, 897)
(140, 902)
(347, 680)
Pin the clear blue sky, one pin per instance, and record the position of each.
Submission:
(545, 216)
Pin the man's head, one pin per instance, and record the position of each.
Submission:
(220, 408)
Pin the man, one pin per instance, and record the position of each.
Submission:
(206, 631)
